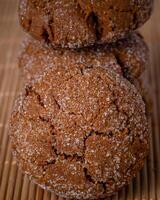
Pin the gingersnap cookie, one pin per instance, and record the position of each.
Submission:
(132, 54)
(70, 23)
(128, 57)
(80, 131)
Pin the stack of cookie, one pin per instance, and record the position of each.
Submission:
(79, 127)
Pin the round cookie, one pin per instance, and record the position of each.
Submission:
(79, 23)
(80, 131)
(128, 57)
(132, 54)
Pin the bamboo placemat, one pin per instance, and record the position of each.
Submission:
(13, 184)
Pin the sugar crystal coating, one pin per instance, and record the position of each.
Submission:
(79, 23)
(128, 57)
(80, 131)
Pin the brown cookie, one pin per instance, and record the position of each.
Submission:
(128, 57)
(80, 131)
(79, 23)
(132, 54)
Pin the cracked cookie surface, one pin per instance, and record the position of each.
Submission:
(128, 57)
(79, 23)
(80, 131)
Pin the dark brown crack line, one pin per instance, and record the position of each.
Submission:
(124, 69)
(87, 176)
(91, 180)
(58, 105)
(109, 134)
(67, 156)
(45, 36)
(50, 23)
(29, 90)
(93, 21)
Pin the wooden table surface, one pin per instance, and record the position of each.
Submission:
(13, 185)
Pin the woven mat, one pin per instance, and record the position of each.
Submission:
(13, 184)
